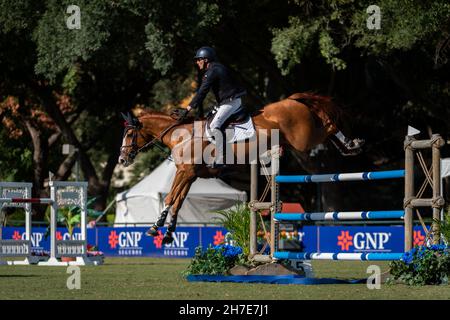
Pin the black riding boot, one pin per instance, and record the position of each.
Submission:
(222, 164)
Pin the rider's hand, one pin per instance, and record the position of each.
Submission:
(188, 108)
(185, 113)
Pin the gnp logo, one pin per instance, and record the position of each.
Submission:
(36, 239)
(218, 238)
(177, 247)
(127, 242)
(363, 240)
(419, 238)
(66, 236)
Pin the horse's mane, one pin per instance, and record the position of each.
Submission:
(147, 113)
(151, 112)
(320, 105)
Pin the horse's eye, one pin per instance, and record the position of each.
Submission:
(129, 134)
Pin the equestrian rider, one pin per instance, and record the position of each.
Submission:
(228, 93)
(216, 76)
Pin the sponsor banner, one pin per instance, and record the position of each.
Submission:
(361, 239)
(39, 242)
(212, 236)
(40, 237)
(308, 236)
(132, 242)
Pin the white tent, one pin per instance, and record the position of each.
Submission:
(445, 172)
(445, 167)
(144, 202)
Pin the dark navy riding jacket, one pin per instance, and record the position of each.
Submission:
(217, 77)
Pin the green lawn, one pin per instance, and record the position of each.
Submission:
(148, 278)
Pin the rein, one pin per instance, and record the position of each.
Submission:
(158, 138)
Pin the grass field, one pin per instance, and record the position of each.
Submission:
(148, 278)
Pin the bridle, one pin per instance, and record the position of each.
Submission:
(136, 126)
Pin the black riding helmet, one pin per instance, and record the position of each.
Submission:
(206, 53)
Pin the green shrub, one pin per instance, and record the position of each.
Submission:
(216, 260)
(237, 221)
(444, 227)
(423, 266)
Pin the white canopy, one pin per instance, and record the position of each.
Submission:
(445, 167)
(144, 202)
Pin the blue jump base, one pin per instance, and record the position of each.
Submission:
(284, 279)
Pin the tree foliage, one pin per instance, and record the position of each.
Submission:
(70, 85)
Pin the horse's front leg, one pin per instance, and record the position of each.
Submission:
(179, 199)
(153, 231)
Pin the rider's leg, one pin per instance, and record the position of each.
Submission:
(223, 113)
(219, 157)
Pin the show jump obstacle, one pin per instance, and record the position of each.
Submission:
(411, 202)
(62, 194)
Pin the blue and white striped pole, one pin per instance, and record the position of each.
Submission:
(375, 256)
(337, 216)
(336, 177)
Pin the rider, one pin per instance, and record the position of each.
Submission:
(228, 93)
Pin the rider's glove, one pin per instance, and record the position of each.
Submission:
(184, 113)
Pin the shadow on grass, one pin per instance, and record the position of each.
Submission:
(146, 261)
(19, 276)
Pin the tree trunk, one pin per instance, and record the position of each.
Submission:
(40, 168)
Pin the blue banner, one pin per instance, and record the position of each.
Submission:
(132, 241)
(308, 236)
(212, 236)
(40, 237)
(361, 239)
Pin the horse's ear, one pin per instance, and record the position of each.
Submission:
(128, 118)
(131, 118)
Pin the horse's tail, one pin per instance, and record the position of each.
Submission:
(323, 107)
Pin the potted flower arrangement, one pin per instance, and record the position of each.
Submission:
(425, 265)
(222, 258)
(217, 260)
(232, 257)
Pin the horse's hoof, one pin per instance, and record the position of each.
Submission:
(153, 232)
(167, 239)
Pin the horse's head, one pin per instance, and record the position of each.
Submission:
(133, 140)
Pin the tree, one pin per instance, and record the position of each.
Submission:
(60, 85)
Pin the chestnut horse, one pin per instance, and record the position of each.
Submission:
(304, 120)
